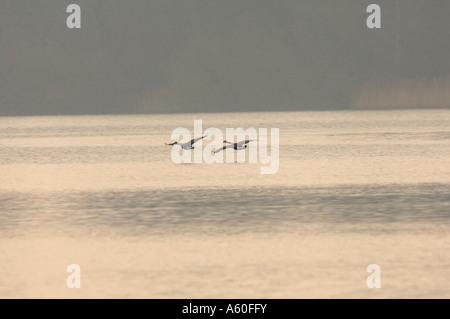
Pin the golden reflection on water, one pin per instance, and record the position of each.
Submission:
(353, 189)
(304, 263)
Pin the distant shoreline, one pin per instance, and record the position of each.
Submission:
(370, 109)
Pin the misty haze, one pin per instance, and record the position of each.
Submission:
(352, 173)
(221, 56)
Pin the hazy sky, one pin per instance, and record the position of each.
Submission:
(213, 55)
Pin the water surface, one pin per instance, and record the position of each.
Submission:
(353, 188)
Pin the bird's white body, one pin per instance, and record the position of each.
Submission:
(242, 145)
(188, 145)
(185, 146)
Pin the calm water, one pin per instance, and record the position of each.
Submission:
(353, 189)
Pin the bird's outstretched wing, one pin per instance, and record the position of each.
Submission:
(221, 149)
(197, 139)
(171, 143)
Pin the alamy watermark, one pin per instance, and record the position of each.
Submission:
(373, 20)
(74, 279)
(374, 279)
(233, 144)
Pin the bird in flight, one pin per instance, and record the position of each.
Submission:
(242, 145)
(188, 145)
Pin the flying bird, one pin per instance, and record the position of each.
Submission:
(242, 145)
(188, 145)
